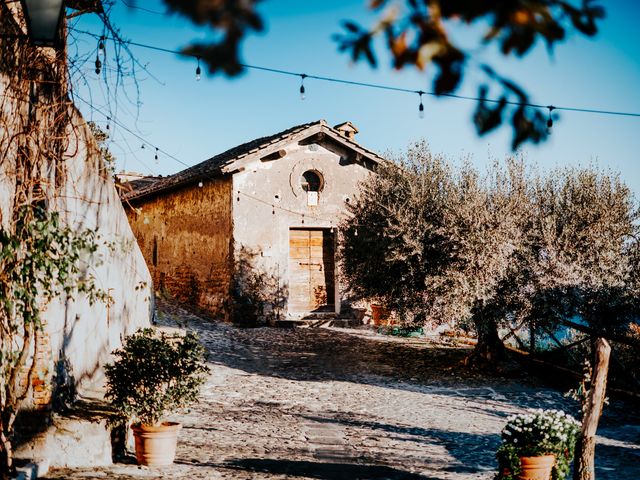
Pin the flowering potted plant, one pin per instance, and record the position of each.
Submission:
(537, 445)
(153, 374)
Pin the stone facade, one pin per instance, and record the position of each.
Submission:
(254, 229)
(185, 238)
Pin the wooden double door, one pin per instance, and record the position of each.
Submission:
(311, 270)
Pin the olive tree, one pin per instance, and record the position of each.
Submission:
(434, 244)
(579, 255)
(392, 243)
(485, 224)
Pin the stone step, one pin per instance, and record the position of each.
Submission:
(78, 438)
(340, 322)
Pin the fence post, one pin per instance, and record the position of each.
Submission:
(584, 466)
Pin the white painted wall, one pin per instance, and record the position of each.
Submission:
(81, 333)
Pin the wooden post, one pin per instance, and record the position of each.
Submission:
(584, 465)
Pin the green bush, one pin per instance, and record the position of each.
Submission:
(155, 374)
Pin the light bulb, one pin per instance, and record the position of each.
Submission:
(200, 184)
(421, 110)
(302, 90)
(198, 71)
(550, 119)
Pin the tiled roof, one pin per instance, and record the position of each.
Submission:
(214, 166)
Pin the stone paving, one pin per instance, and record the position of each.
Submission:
(354, 404)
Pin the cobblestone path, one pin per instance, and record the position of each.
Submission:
(352, 404)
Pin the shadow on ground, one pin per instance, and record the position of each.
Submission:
(322, 470)
(462, 446)
(321, 355)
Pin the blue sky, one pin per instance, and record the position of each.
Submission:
(195, 120)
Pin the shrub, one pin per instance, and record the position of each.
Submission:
(155, 374)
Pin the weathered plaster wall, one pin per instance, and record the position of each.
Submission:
(7, 165)
(261, 184)
(83, 335)
(185, 237)
(78, 336)
(66, 171)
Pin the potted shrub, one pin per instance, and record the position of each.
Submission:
(379, 312)
(537, 445)
(154, 374)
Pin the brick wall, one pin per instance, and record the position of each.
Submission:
(185, 237)
(42, 378)
(41, 388)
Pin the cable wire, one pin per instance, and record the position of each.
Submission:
(377, 85)
(119, 124)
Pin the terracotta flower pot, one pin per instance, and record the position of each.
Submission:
(536, 468)
(379, 314)
(156, 445)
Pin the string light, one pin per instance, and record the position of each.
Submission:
(421, 106)
(108, 120)
(98, 64)
(200, 184)
(302, 90)
(355, 232)
(372, 85)
(273, 209)
(198, 70)
(156, 156)
(550, 119)
(303, 218)
(101, 43)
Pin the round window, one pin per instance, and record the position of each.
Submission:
(311, 181)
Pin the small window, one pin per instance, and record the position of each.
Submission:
(311, 181)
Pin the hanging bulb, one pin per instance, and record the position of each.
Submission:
(421, 106)
(108, 120)
(550, 119)
(238, 197)
(303, 218)
(200, 184)
(331, 228)
(101, 43)
(142, 146)
(302, 90)
(98, 65)
(273, 210)
(156, 156)
(355, 233)
(198, 71)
